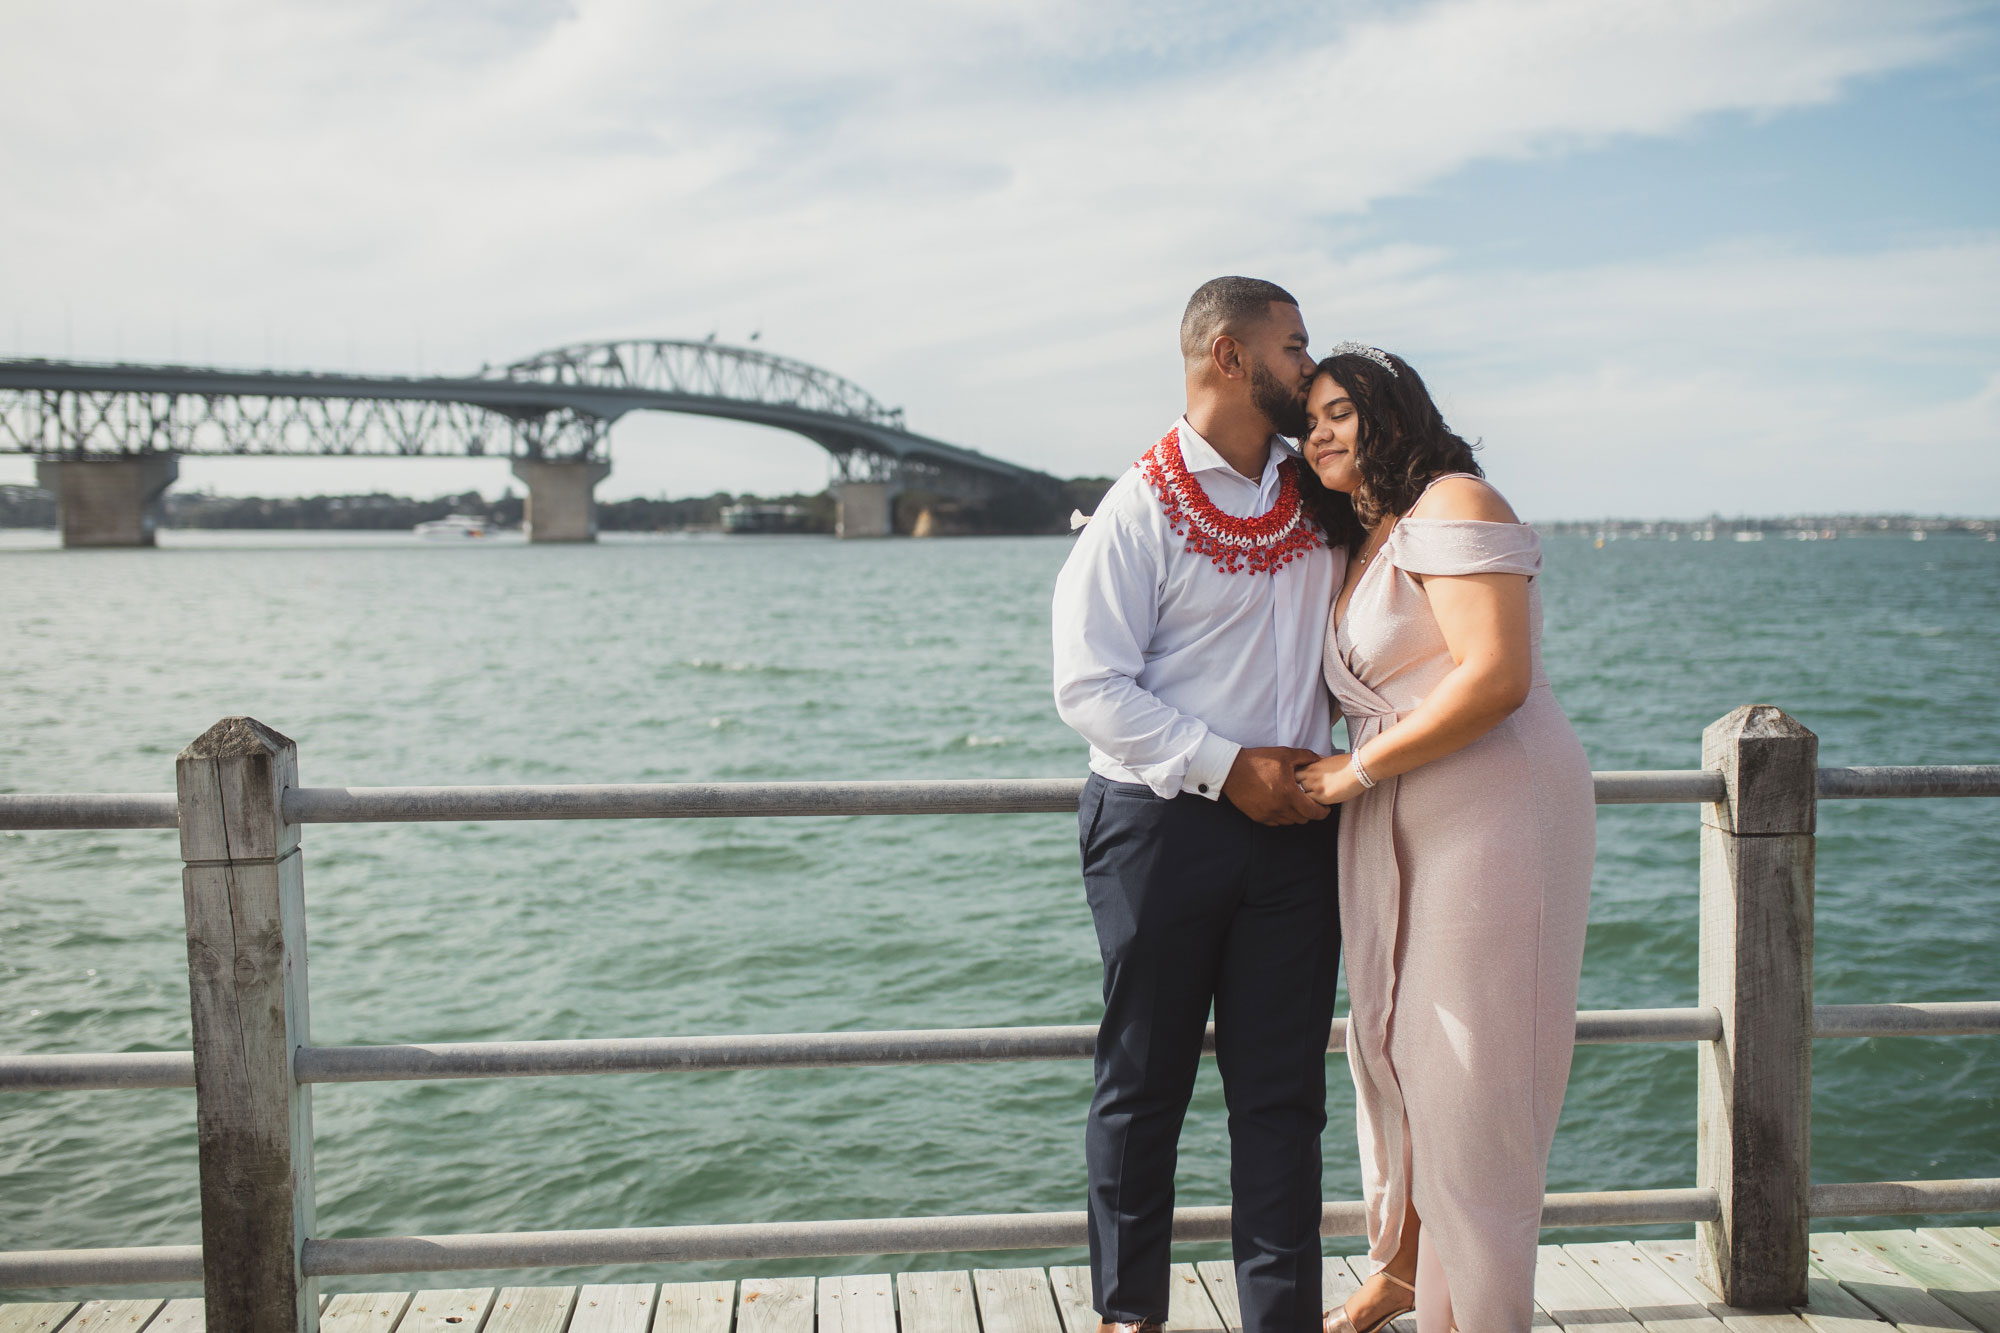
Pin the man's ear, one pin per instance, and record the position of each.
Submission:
(1227, 356)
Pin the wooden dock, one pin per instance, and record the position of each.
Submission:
(1937, 1280)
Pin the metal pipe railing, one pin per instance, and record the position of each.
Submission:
(96, 1072)
(337, 1257)
(828, 1050)
(1909, 780)
(89, 810)
(914, 1235)
(682, 800)
(1882, 1198)
(1674, 786)
(678, 800)
(791, 1050)
(739, 800)
(1920, 1019)
(127, 1266)
(823, 1050)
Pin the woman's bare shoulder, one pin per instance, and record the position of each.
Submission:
(1464, 498)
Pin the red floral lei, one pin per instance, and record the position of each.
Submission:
(1258, 545)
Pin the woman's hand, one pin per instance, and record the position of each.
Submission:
(1329, 781)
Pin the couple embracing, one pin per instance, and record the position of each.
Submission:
(1227, 594)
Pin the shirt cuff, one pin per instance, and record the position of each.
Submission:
(1213, 759)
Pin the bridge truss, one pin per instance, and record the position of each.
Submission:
(94, 423)
(555, 406)
(705, 370)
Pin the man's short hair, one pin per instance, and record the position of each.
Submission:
(1222, 304)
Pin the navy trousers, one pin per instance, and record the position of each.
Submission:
(1197, 904)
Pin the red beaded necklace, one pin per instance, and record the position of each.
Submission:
(1258, 545)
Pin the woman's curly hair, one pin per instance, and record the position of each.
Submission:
(1402, 445)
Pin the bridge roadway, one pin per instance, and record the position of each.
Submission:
(107, 435)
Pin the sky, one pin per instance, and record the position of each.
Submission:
(1661, 259)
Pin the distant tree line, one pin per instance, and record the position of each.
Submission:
(705, 511)
(394, 513)
(351, 513)
(32, 507)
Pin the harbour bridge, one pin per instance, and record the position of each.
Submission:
(107, 436)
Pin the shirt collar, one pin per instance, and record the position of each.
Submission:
(1198, 455)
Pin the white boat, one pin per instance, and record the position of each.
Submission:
(452, 527)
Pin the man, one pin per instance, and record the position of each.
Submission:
(1188, 627)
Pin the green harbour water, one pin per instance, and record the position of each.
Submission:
(394, 662)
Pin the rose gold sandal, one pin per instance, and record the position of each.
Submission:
(1339, 1321)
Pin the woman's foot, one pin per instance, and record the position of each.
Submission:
(1383, 1297)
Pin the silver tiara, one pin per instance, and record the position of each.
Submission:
(1364, 351)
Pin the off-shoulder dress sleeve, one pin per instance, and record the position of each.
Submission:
(1465, 546)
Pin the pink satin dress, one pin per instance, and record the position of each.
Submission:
(1464, 885)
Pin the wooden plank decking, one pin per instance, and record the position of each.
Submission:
(1938, 1280)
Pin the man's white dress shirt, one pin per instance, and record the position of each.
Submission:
(1167, 665)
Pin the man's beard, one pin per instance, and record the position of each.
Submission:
(1284, 408)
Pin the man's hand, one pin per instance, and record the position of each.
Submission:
(1263, 784)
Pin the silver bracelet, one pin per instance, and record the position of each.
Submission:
(1360, 773)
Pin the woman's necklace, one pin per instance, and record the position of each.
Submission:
(1358, 568)
(1376, 541)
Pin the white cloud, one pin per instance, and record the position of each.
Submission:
(989, 212)
(1632, 441)
(1749, 378)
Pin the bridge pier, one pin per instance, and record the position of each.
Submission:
(867, 509)
(113, 501)
(560, 507)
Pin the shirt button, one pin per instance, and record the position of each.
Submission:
(1202, 787)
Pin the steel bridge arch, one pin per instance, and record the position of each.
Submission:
(703, 369)
(557, 405)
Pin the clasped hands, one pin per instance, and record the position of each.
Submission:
(1279, 784)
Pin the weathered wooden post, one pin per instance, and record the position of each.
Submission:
(246, 930)
(1754, 1141)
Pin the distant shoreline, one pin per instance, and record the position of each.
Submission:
(29, 507)
(1803, 527)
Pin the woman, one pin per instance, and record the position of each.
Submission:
(1465, 852)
